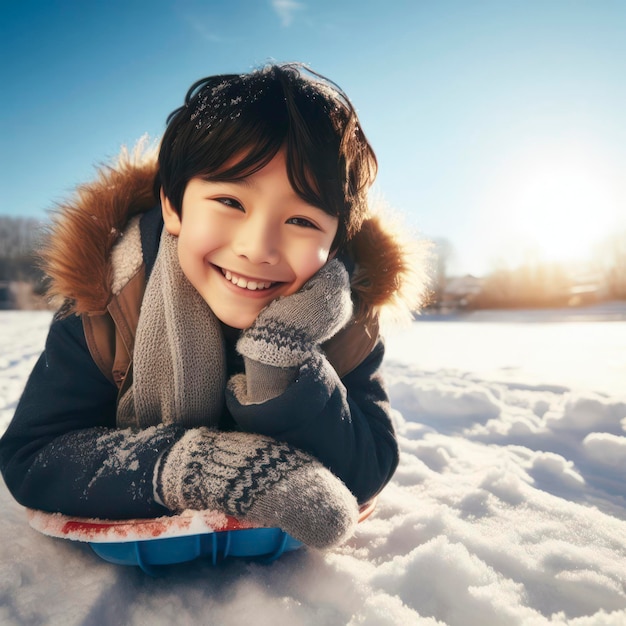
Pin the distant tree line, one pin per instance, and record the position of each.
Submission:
(536, 283)
(19, 239)
(529, 286)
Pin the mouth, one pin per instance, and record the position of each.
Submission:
(251, 284)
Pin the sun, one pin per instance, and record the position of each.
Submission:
(563, 209)
(555, 205)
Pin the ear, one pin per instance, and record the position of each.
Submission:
(170, 217)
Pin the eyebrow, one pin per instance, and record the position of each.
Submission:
(248, 184)
(244, 182)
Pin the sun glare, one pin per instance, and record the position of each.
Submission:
(555, 207)
(562, 210)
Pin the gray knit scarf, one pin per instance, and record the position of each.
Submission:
(179, 364)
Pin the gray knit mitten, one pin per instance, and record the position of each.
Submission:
(287, 329)
(258, 479)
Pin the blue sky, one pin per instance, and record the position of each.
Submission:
(499, 126)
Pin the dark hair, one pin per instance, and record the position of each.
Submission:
(330, 163)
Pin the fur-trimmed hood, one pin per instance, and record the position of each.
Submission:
(78, 254)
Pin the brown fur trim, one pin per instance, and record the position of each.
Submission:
(391, 272)
(77, 253)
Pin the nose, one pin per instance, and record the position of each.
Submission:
(257, 240)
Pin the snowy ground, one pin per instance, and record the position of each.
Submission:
(509, 505)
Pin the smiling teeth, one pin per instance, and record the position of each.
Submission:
(252, 285)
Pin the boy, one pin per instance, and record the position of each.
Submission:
(219, 349)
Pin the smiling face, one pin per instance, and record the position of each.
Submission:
(244, 243)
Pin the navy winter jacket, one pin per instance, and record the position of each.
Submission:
(63, 453)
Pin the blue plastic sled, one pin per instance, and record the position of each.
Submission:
(150, 543)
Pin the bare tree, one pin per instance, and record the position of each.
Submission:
(610, 262)
(443, 252)
(19, 238)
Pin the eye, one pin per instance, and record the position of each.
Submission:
(230, 202)
(302, 222)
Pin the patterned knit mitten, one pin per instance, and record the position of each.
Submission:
(290, 329)
(287, 329)
(258, 479)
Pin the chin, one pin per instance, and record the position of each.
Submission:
(238, 321)
(239, 325)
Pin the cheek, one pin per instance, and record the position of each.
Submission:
(199, 240)
(194, 250)
(305, 263)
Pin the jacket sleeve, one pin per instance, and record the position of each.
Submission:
(345, 423)
(62, 452)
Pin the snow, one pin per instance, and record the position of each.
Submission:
(508, 507)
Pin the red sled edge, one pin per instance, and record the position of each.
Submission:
(107, 531)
